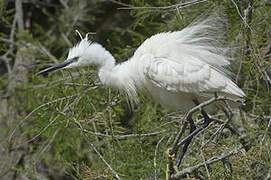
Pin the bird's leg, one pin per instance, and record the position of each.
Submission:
(188, 141)
(207, 119)
(193, 131)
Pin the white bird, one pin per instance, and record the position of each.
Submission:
(174, 68)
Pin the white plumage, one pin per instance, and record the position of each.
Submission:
(175, 68)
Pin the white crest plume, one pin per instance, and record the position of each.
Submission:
(81, 48)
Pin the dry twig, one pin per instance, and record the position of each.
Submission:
(155, 155)
(190, 170)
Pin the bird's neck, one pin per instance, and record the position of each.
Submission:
(106, 64)
(100, 57)
(116, 76)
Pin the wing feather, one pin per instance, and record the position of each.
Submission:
(192, 60)
(199, 79)
(182, 77)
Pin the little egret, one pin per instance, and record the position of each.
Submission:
(177, 69)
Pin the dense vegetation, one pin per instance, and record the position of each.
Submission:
(65, 125)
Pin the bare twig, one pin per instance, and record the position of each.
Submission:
(97, 152)
(238, 11)
(122, 136)
(19, 14)
(32, 139)
(179, 5)
(11, 46)
(267, 76)
(266, 131)
(155, 155)
(205, 165)
(190, 170)
(52, 57)
(46, 104)
(197, 108)
(76, 84)
(66, 39)
(120, 3)
(227, 125)
(230, 115)
(175, 147)
(47, 145)
(64, 4)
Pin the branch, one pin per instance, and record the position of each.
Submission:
(190, 170)
(95, 149)
(32, 139)
(238, 11)
(198, 108)
(176, 6)
(155, 155)
(19, 14)
(229, 114)
(267, 76)
(266, 131)
(122, 136)
(11, 46)
(46, 104)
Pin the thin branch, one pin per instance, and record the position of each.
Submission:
(121, 136)
(120, 3)
(19, 14)
(197, 108)
(229, 126)
(96, 151)
(238, 11)
(205, 164)
(219, 130)
(52, 57)
(66, 39)
(179, 5)
(64, 4)
(190, 170)
(266, 131)
(46, 104)
(32, 139)
(50, 142)
(155, 155)
(11, 45)
(76, 84)
(267, 76)
(175, 147)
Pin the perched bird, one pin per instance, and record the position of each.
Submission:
(177, 69)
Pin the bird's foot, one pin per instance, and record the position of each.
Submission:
(171, 166)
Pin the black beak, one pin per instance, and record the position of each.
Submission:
(57, 66)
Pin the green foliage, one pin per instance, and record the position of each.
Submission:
(54, 107)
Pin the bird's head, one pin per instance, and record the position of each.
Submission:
(82, 54)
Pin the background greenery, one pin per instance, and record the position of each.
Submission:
(42, 118)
